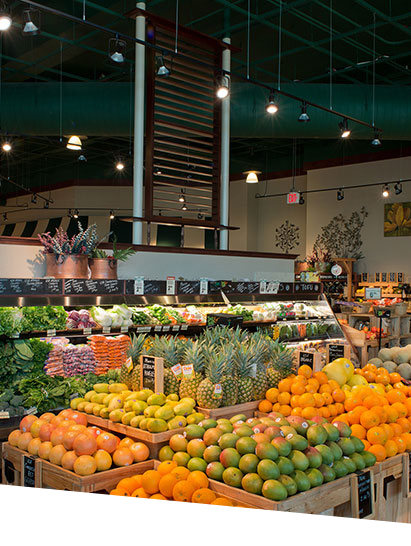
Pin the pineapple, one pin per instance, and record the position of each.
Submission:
(245, 362)
(206, 396)
(193, 354)
(171, 350)
(132, 379)
(228, 381)
(280, 363)
(258, 344)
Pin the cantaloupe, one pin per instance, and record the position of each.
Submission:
(390, 366)
(402, 356)
(384, 354)
(376, 361)
(404, 370)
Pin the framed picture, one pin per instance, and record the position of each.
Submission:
(397, 219)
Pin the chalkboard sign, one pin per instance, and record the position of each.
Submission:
(188, 287)
(214, 319)
(313, 360)
(152, 373)
(29, 471)
(93, 286)
(285, 288)
(248, 287)
(337, 350)
(23, 287)
(365, 494)
(311, 287)
(154, 287)
(53, 286)
(409, 473)
(382, 312)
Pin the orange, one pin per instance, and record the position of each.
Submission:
(166, 484)
(339, 406)
(369, 376)
(338, 395)
(404, 424)
(400, 444)
(166, 467)
(198, 479)
(150, 480)
(295, 401)
(376, 435)
(395, 395)
(382, 378)
(321, 377)
(265, 406)
(158, 497)
(408, 406)
(307, 400)
(402, 388)
(370, 368)
(359, 431)
(392, 414)
(333, 384)
(379, 451)
(325, 388)
(310, 388)
(400, 408)
(272, 395)
(328, 399)
(391, 448)
(128, 484)
(353, 417)
(396, 428)
(120, 492)
(309, 412)
(305, 371)
(284, 398)
(203, 496)
(297, 388)
(395, 378)
(296, 411)
(140, 493)
(285, 385)
(220, 501)
(276, 407)
(137, 480)
(181, 473)
(314, 382)
(301, 380)
(285, 410)
(366, 444)
(406, 436)
(319, 400)
(369, 419)
(381, 412)
(371, 401)
(325, 412)
(388, 430)
(333, 410)
(183, 491)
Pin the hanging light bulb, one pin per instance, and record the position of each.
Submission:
(120, 165)
(376, 140)
(340, 194)
(223, 88)
(182, 198)
(30, 28)
(304, 117)
(5, 216)
(252, 176)
(343, 125)
(76, 214)
(385, 190)
(5, 18)
(74, 143)
(398, 188)
(112, 215)
(6, 146)
(271, 107)
(34, 198)
(116, 50)
(162, 70)
(184, 207)
(46, 205)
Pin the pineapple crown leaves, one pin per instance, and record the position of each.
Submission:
(171, 349)
(215, 368)
(194, 354)
(136, 346)
(244, 360)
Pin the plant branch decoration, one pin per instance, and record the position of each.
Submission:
(118, 254)
(287, 236)
(341, 237)
(82, 243)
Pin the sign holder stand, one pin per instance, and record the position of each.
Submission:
(152, 373)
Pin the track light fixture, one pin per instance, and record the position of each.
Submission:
(76, 214)
(304, 117)
(82, 157)
(376, 140)
(223, 87)
(182, 198)
(46, 204)
(34, 198)
(184, 207)
(6, 146)
(157, 171)
(200, 216)
(340, 194)
(120, 165)
(398, 188)
(5, 216)
(162, 69)
(5, 17)
(301, 202)
(116, 50)
(252, 176)
(69, 213)
(74, 143)
(343, 125)
(30, 18)
(112, 215)
(385, 190)
(271, 107)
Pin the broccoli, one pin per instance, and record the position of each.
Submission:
(17, 401)
(6, 396)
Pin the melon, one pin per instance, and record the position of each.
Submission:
(404, 370)
(376, 361)
(390, 366)
(384, 354)
(402, 356)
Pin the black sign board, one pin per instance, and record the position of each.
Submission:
(248, 287)
(25, 287)
(382, 312)
(214, 319)
(409, 472)
(53, 286)
(29, 471)
(310, 287)
(152, 373)
(365, 494)
(154, 287)
(307, 359)
(93, 286)
(336, 350)
(188, 287)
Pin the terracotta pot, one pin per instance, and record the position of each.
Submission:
(300, 266)
(67, 266)
(103, 268)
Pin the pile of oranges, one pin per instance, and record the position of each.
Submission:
(170, 482)
(307, 394)
(381, 376)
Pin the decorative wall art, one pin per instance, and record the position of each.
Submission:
(287, 236)
(397, 219)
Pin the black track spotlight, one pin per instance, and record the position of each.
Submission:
(376, 140)
(385, 190)
(271, 107)
(184, 207)
(200, 216)
(343, 125)
(116, 50)
(162, 69)
(46, 205)
(112, 215)
(340, 194)
(5, 216)
(182, 197)
(5, 17)
(398, 188)
(223, 87)
(304, 117)
(301, 201)
(76, 214)
(31, 26)
(34, 198)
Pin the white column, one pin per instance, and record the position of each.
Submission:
(225, 154)
(139, 106)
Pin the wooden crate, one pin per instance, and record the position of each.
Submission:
(154, 441)
(246, 409)
(51, 476)
(391, 503)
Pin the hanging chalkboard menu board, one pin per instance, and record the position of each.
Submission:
(152, 373)
(365, 494)
(93, 286)
(188, 287)
(33, 287)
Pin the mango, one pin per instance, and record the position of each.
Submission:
(104, 412)
(190, 401)
(165, 412)
(108, 397)
(132, 396)
(135, 421)
(117, 387)
(157, 425)
(115, 403)
(97, 408)
(127, 417)
(139, 406)
(195, 418)
(101, 387)
(75, 402)
(82, 405)
(116, 415)
(98, 398)
(177, 422)
(144, 394)
(128, 405)
(143, 423)
(150, 411)
(158, 399)
(172, 397)
(88, 408)
(88, 395)
(183, 408)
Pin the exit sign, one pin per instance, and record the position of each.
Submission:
(293, 198)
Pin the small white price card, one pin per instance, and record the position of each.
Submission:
(87, 331)
(106, 329)
(176, 328)
(166, 328)
(51, 333)
(171, 286)
(139, 286)
(272, 287)
(203, 287)
(263, 287)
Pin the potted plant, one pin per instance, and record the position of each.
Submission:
(104, 266)
(319, 260)
(67, 258)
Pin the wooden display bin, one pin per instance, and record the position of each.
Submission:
(154, 441)
(246, 409)
(390, 499)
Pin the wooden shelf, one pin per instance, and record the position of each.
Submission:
(379, 284)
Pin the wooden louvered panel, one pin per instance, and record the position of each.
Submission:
(180, 152)
(183, 129)
(192, 179)
(188, 109)
(192, 143)
(186, 159)
(174, 90)
(160, 112)
(164, 167)
(184, 183)
(168, 191)
(162, 96)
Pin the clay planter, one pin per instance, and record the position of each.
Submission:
(67, 266)
(103, 268)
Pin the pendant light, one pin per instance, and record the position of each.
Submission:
(116, 50)
(74, 143)
(6, 146)
(343, 125)
(31, 17)
(223, 88)
(304, 117)
(271, 107)
(252, 176)
(5, 17)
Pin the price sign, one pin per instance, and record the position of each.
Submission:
(152, 373)
(184, 326)
(313, 360)
(263, 287)
(29, 471)
(143, 329)
(372, 293)
(158, 328)
(293, 198)
(166, 328)
(139, 286)
(203, 287)
(176, 328)
(124, 329)
(51, 333)
(171, 286)
(364, 494)
(381, 312)
(337, 350)
(87, 331)
(272, 287)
